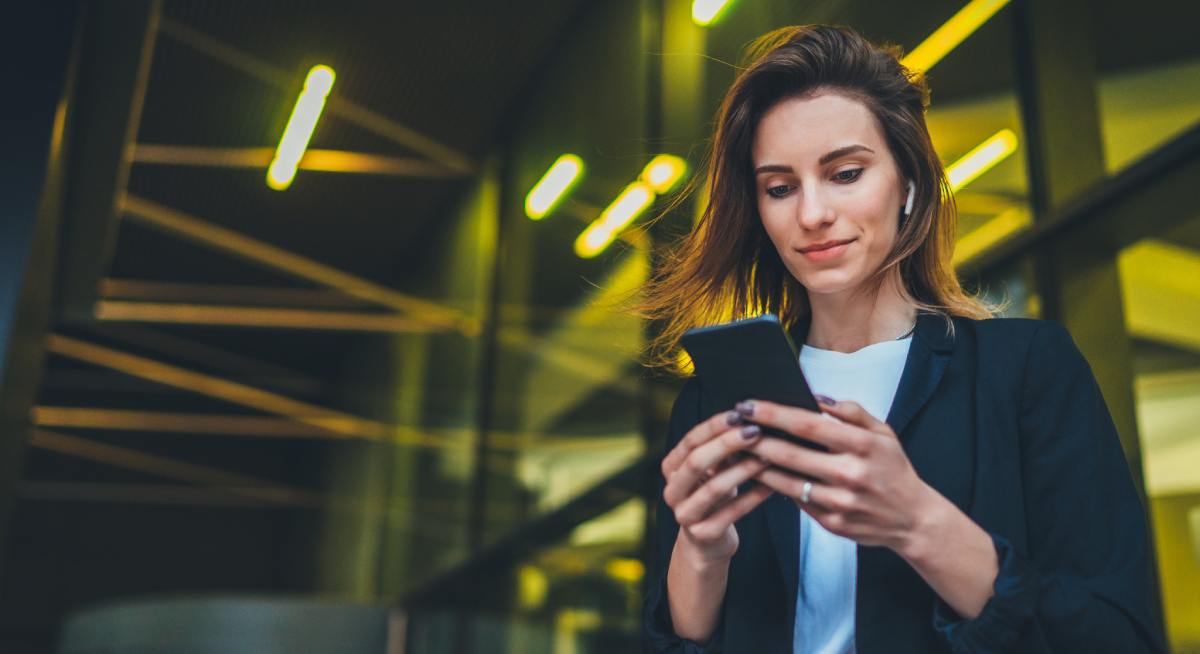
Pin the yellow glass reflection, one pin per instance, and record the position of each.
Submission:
(1160, 291)
(982, 158)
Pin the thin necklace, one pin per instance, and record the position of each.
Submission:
(908, 333)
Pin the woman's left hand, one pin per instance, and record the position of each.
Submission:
(864, 488)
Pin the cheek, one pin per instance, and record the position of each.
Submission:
(774, 222)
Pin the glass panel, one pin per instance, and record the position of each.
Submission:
(565, 404)
(1011, 290)
(577, 596)
(1160, 280)
(1149, 76)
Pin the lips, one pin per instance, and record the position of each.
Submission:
(817, 247)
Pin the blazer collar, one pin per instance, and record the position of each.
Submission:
(928, 355)
(927, 358)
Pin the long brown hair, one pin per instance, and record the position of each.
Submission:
(727, 266)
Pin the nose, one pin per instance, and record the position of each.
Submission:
(813, 212)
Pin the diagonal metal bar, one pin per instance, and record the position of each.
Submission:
(335, 422)
(229, 241)
(170, 468)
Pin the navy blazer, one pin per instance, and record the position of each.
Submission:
(1004, 418)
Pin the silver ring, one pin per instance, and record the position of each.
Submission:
(804, 491)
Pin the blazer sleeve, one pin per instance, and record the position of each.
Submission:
(1084, 583)
(656, 614)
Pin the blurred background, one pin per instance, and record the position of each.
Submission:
(367, 391)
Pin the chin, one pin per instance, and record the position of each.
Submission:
(827, 281)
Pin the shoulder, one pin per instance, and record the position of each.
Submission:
(1011, 335)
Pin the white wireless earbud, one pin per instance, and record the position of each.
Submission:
(912, 190)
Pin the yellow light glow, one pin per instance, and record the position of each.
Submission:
(706, 12)
(982, 158)
(991, 233)
(627, 570)
(683, 362)
(532, 587)
(625, 209)
(562, 176)
(951, 33)
(663, 172)
(300, 127)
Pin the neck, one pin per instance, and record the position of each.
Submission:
(849, 321)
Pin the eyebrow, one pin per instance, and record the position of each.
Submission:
(825, 158)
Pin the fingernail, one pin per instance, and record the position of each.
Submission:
(733, 418)
(746, 408)
(825, 399)
(751, 431)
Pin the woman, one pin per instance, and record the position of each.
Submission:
(974, 497)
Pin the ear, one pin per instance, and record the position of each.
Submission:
(908, 204)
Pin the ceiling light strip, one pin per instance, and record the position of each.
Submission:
(300, 127)
(953, 32)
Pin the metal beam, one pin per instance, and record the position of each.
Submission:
(186, 351)
(156, 291)
(330, 420)
(117, 47)
(329, 161)
(173, 422)
(169, 468)
(36, 117)
(226, 240)
(259, 317)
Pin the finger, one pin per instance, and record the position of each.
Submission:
(814, 426)
(692, 471)
(821, 497)
(852, 412)
(715, 525)
(800, 459)
(707, 497)
(697, 436)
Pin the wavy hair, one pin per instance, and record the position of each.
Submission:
(727, 266)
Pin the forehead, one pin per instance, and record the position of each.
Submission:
(801, 129)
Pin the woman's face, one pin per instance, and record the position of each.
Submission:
(828, 190)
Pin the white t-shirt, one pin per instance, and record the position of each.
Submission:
(829, 563)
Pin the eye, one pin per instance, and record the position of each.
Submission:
(848, 175)
(778, 191)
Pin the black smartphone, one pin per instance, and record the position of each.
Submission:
(751, 358)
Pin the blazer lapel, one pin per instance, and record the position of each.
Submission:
(927, 358)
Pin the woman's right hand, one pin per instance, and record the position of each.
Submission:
(702, 477)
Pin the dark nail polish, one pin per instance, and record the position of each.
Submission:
(825, 399)
(751, 431)
(746, 408)
(733, 418)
